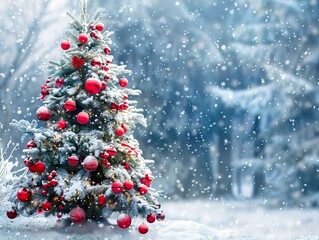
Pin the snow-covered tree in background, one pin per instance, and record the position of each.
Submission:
(85, 162)
(275, 47)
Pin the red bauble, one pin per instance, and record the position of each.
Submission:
(107, 50)
(39, 167)
(83, 118)
(104, 155)
(32, 168)
(59, 215)
(101, 200)
(69, 105)
(143, 189)
(128, 185)
(107, 77)
(124, 220)
(65, 45)
(124, 128)
(117, 187)
(62, 124)
(53, 173)
(92, 27)
(160, 216)
(103, 85)
(93, 85)
(24, 195)
(31, 144)
(49, 177)
(12, 214)
(111, 151)
(83, 38)
(28, 162)
(123, 82)
(143, 228)
(151, 218)
(96, 62)
(44, 192)
(43, 113)
(44, 185)
(77, 215)
(105, 68)
(99, 26)
(53, 182)
(119, 131)
(90, 164)
(46, 206)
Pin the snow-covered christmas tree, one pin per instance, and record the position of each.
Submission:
(85, 163)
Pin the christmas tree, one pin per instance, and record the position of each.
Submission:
(85, 162)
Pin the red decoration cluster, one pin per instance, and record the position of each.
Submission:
(77, 62)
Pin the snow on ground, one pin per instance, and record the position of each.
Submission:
(184, 220)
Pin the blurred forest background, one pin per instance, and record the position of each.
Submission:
(230, 88)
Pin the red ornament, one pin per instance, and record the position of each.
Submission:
(117, 187)
(44, 185)
(83, 38)
(83, 118)
(54, 182)
(43, 113)
(146, 180)
(32, 168)
(119, 131)
(77, 215)
(101, 200)
(128, 185)
(90, 164)
(31, 144)
(111, 151)
(103, 85)
(39, 167)
(93, 34)
(77, 62)
(143, 189)
(160, 216)
(124, 127)
(107, 77)
(123, 82)
(28, 162)
(143, 228)
(44, 192)
(106, 163)
(99, 27)
(61, 207)
(73, 160)
(59, 215)
(93, 85)
(49, 177)
(126, 166)
(96, 62)
(46, 206)
(151, 218)
(107, 50)
(12, 214)
(65, 45)
(53, 173)
(105, 68)
(69, 105)
(92, 27)
(24, 195)
(62, 124)
(104, 155)
(124, 220)
(40, 211)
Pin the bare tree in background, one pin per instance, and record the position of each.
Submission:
(26, 39)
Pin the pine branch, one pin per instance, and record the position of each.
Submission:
(83, 5)
(77, 23)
